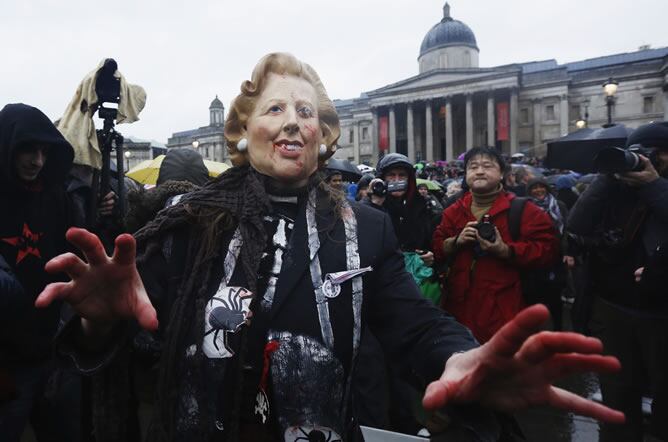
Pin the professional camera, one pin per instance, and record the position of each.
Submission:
(381, 188)
(486, 229)
(618, 160)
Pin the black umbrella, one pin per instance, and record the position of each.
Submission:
(349, 172)
(576, 151)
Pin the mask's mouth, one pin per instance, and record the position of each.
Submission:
(289, 148)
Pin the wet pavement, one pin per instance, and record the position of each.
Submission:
(547, 424)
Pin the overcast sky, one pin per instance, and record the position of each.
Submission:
(186, 52)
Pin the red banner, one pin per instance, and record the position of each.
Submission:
(383, 134)
(502, 121)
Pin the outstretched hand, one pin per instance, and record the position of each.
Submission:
(104, 289)
(516, 368)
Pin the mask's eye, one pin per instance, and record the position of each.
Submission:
(305, 112)
(275, 109)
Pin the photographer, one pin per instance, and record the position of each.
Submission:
(384, 398)
(395, 191)
(483, 284)
(623, 218)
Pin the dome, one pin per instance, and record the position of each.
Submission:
(448, 32)
(216, 104)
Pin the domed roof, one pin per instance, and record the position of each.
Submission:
(216, 104)
(448, 32)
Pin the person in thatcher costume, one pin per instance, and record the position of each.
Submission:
(258, 286)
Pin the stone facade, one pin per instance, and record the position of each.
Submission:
(209, 140)
(136, 150)
(446, 109)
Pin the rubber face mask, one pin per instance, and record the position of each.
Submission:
(283, 130)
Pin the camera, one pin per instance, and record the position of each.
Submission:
(486, 229)
(618, 160)
(381, 188)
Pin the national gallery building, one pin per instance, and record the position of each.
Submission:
(453, 104)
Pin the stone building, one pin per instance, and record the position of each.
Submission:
(136, 150)
(454, 104)
(207, 140)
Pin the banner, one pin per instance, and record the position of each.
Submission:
(502, 121)
(383, 134)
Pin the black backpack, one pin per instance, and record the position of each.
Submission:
(515, 216)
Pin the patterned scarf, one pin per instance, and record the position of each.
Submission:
(550, 205)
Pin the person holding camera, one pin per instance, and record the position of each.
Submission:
(384, 398)
(623, 220)
(484, 291)
(395, 190)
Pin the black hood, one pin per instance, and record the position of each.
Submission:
(183, 165)
(22, 125)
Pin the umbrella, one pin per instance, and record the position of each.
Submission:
(431, 185)
(576, 151)
(349, 172)
(535, 171)
(587, 179)
(147, 171)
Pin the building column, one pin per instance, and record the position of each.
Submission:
(356, 142)
(491, 141)
(429, 132)
(393, 131)
(449, 148)
(469, 121)
(563, 114)
(410, 133)
(537, 120)
(665, 102)
(375, 151)
(514, 147)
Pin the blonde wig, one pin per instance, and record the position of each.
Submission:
(243, 105)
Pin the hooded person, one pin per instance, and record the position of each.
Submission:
(34, 161)
(181, 171)
(411, 218)
(266, 240)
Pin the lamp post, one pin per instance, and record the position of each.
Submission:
(610, 88)
(127, 155)
(195, 144)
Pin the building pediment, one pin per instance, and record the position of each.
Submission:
(442, 78)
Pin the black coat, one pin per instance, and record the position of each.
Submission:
(603, 217)
(412, 332)
(35, 217)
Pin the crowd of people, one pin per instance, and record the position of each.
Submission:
(275, 303)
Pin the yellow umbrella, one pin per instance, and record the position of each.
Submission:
(147, 171)
(215, 168)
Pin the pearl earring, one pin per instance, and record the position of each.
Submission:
(242, 145)
(323, 150)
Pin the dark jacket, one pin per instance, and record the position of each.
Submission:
(412, 332)
(621, 226)
(34, 219)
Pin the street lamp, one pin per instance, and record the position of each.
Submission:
(610, 88)
(127, 155)
(195, 144)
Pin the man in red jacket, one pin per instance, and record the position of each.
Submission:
(483, 289)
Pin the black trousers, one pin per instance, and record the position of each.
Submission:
(640, 342)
